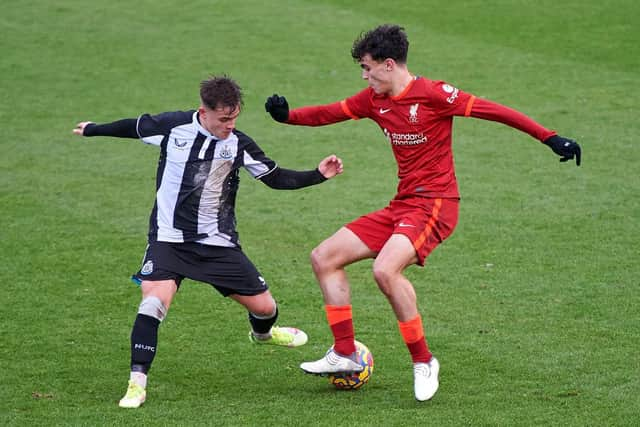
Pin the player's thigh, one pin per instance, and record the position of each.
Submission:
(396, 255)
(342, 248)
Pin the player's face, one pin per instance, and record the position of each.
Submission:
(376, 74)
(220, 121)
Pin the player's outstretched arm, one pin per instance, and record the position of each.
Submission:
(315, 115)
(564, 147)
(287, 179)
(489, 110)
(125, 128)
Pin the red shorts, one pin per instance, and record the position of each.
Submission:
(425, 221)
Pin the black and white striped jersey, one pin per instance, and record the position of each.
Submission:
(197, 178)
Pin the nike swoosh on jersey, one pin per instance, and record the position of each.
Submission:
(384, 110)
(402, 224)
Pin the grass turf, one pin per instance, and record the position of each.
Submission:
(531, 306)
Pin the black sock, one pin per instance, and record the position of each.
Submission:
(144, 339)
(261, 325)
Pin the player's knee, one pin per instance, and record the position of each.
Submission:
(153, 307)
(262, 305)
(321, 259)
(264, 312)
(316, 259)
(383, 278)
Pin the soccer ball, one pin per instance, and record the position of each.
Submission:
(357, 379)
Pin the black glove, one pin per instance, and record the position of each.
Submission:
(564, 147)
(278, 107)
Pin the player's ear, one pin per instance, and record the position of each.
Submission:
(389, 64)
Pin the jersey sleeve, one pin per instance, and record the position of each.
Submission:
(449, 100)
(488, 110)
(354, 107)
(318, 115)
(153, 128)
(287, 179)
(125, 128)
(253, 159)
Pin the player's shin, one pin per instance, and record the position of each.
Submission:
(413, 335)
(261, 325)
(340, 320)
(144, 335)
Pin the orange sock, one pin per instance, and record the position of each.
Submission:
(340, 320)
(413, 336)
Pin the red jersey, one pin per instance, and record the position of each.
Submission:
(418, 124)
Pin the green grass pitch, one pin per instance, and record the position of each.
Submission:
(532, 306)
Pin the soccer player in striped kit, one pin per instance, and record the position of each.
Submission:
(192, 227)
(416, 116)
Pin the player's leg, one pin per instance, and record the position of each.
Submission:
(328, 261)
(156, 299)
(397, 254)
(263, 313)
(388, 269)
(233, 274)
(420, 226)
(159, 285)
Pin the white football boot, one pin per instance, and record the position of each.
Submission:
(331, 363)
(425, 377)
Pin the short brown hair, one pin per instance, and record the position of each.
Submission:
(385, 41)
(220, 92)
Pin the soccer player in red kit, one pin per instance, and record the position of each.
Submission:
(416, 116)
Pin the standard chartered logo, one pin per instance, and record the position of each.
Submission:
(405, 138)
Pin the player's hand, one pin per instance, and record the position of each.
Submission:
(79, 130)
(330, 166)
(278, 107)
(564, 147)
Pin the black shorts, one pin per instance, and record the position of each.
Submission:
(226, 269)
